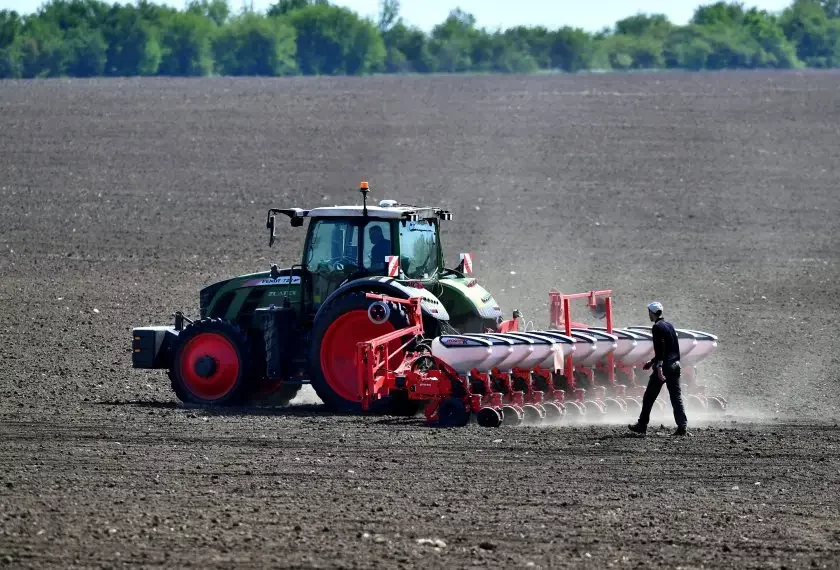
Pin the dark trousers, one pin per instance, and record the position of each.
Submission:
(672, 380)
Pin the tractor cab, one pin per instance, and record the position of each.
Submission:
(345, 243)
(340, 248)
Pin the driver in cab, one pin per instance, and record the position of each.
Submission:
(380, 250)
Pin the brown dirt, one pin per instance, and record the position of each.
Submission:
(714, 193)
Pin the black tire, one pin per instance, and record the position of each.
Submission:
(353, 301)
(239, 384)
(452, 412)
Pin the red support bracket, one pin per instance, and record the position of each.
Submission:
(560, 316)
(373, 356)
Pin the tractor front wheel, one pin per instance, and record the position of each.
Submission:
(333, 353)
(211, 364)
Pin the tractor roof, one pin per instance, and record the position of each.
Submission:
(388, 209)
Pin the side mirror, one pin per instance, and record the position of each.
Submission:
(270, 225)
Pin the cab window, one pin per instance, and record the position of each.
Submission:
(332, 240)
(419, 249)
(332, 255)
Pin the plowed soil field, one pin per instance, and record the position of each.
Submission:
(716, 194)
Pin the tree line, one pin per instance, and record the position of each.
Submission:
(86, 38)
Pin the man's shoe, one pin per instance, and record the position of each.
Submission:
(638, 428)
(681, 430)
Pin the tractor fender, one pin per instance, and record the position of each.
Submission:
(430, 304)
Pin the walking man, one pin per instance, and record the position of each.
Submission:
(666, 370)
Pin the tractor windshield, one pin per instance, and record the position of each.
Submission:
(419, 249)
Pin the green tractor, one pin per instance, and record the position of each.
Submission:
(261, 336)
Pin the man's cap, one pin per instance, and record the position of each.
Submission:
(655, 307)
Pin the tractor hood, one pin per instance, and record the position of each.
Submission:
(477, 297)
(206, 295)
(226, 298)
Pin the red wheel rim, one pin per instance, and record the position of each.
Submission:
(226, 371)
(338, 350)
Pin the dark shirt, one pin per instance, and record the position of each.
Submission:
(665, 343)
(378, 252)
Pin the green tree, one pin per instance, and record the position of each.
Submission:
(11, 66)
(86, 52)
(73, 14)
(725, 13)
(10, 44)
(712, 47)
(485, 50)
(736, 38)
(572, 49)
(512, 60)
(767, 31)
(92, 37)
(733, 48)
(285, 6)
(133, 41)
(831, 8)
(688, 47)
(631, 52)
(535, 41)
(186, 45)
(452, 42)
(817, 39)
(333, 40)
(389, 15)
(43, 52)
(407, 50)
(10, 27)
(654, 25)
(217, 11)
(154, 14)
(254, 45)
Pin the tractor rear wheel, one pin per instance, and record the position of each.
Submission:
(333, 352)
(212, 364)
